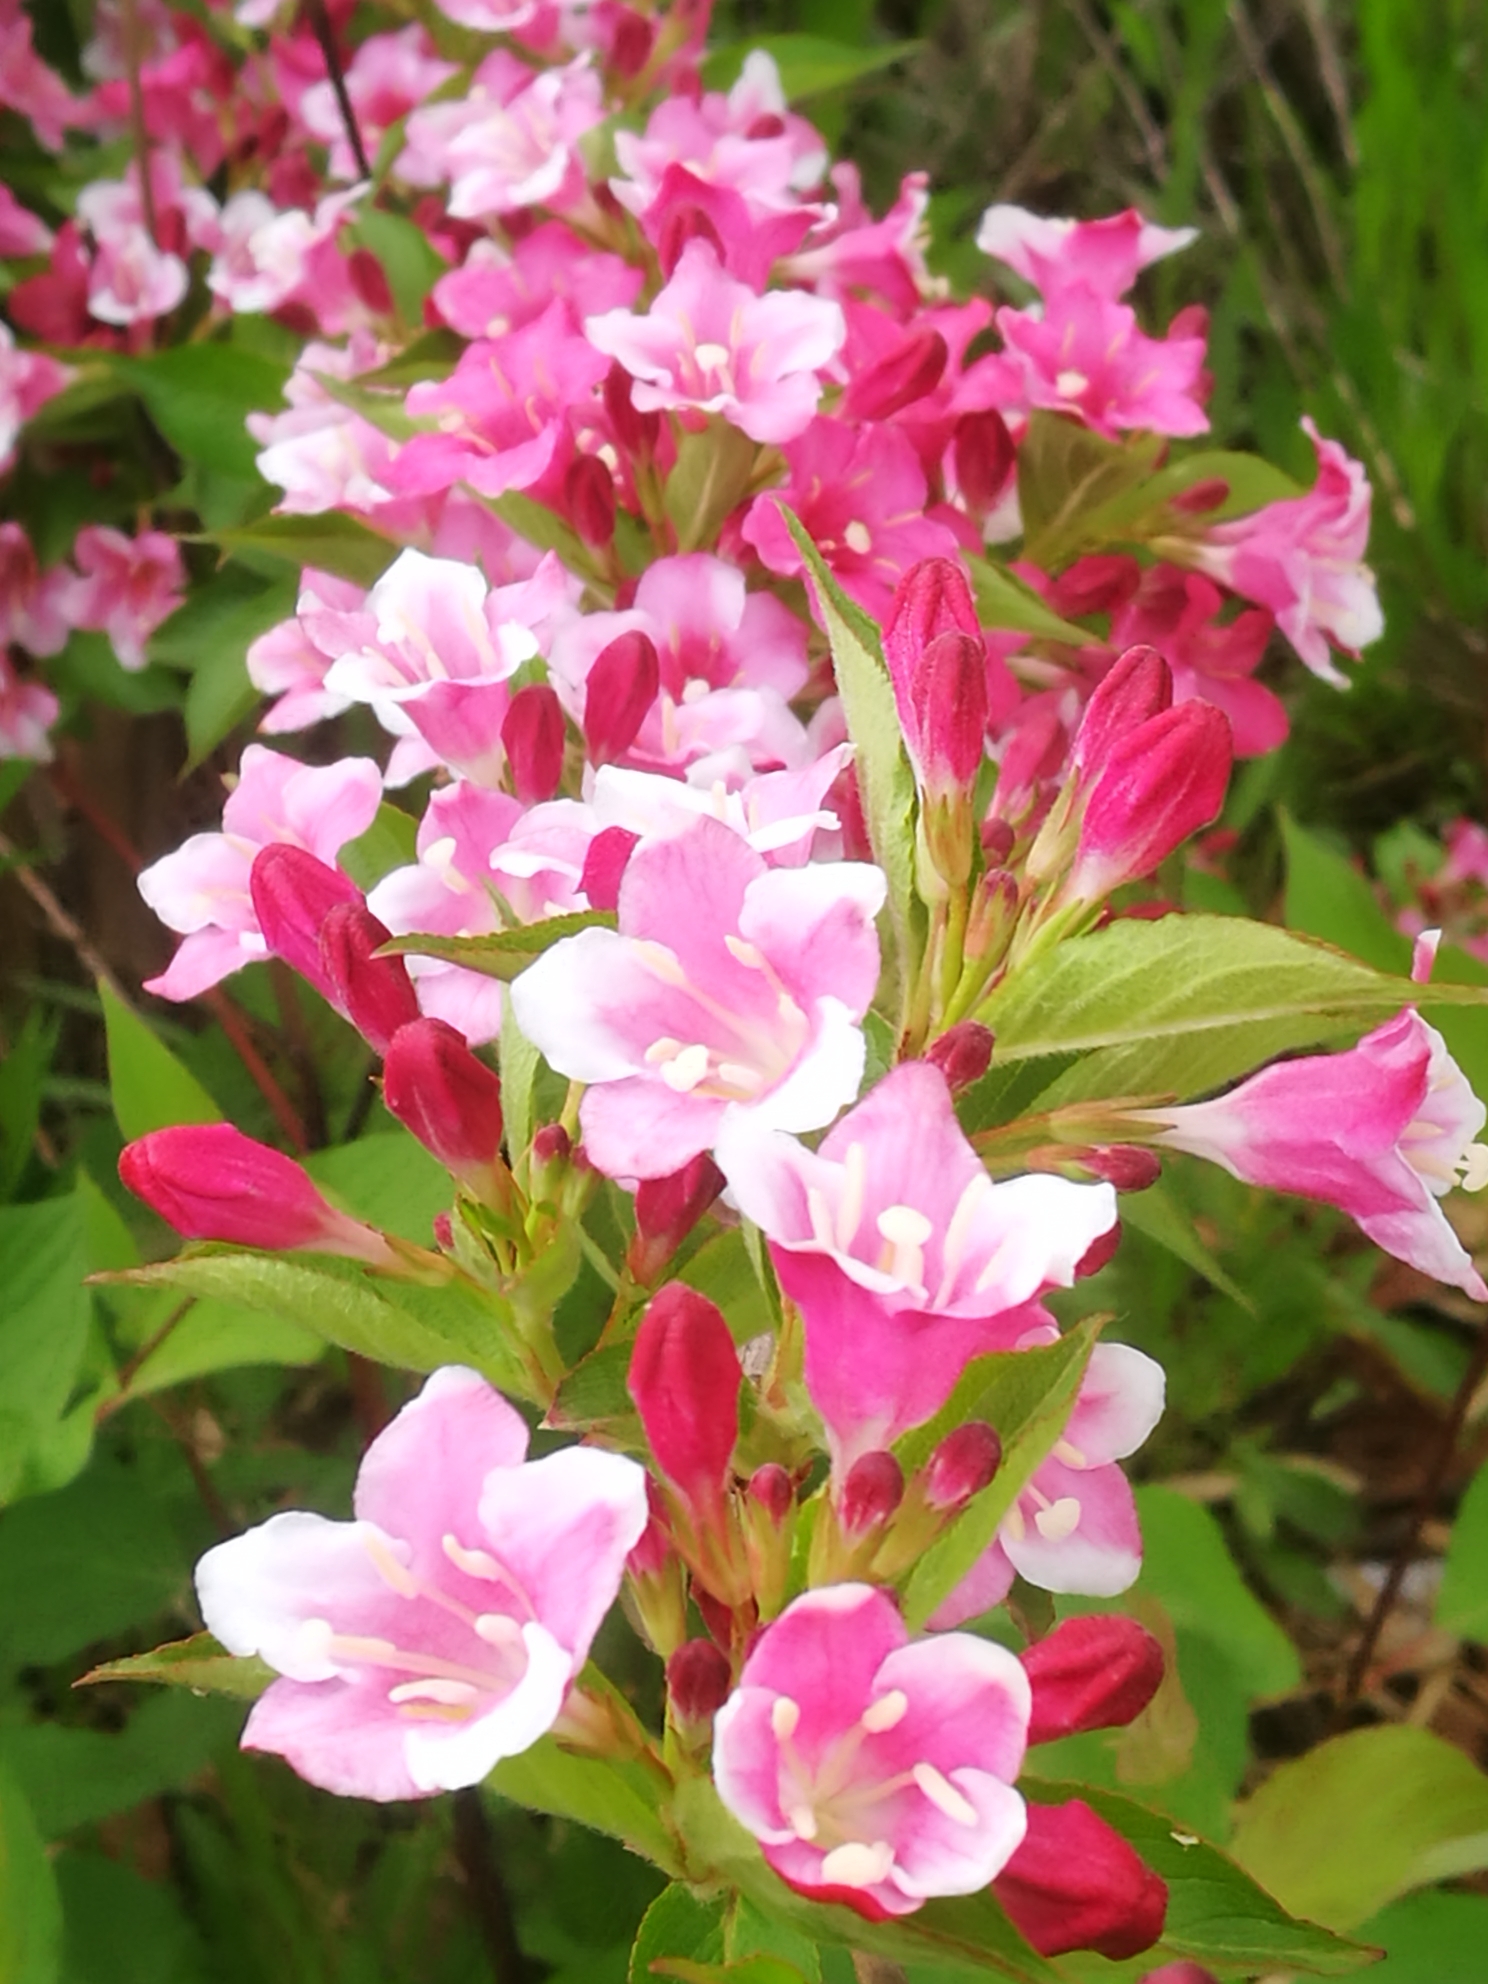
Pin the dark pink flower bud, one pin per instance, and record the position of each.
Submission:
(698, 1680)
(948, 701)
(1183, 1972)
(450, 1100)
(682, 224)
(376, 994)
(1095, 1673)
(666, 1211)
(589, 500)
(1157, 785)
(1196, 501)
(963, 1054)
(1137, 687)
(652, 1554)
(1191, 322)
(631, 40)
(621, 688)
(552, 1145)
(961, 1466)
(1075, 1884)
(1096, 1255)
(932, 598)
(637, 433)
(1100, 583)
(984, 457)
(899, 378)
(1126, 1166)
(771, 1486)
(604, 865)
(998, 841)
(293, 894)
(532, 737)
(684, 1378)
(874, 1488)
(444, 1231)
(210, 1182)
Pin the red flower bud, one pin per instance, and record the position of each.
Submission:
(621, 688)
(589, 500)
(1075, 1884)
(998, 841)
(1094, 1673)
(1183, 1972)
(376, 994)
(666, 1211)
(637, 433)
(652, 1553)
(682, 224)
(1096, 1255)
(450, 1100)
(963, 1054)
(1199, 498)
(684, 1378)
(1137, 687)
(698, 1680)
(532, 737)
(932, 598)
(1157, 785)
(771, 1486)
(899, 378)
(874, 1488)
(293, 894)
(604, 865)
(1191, 322)
(210, 1182)
(948, 705)
(961, 1466)
(552, 1145)
(984, 458)
(1126, 1166)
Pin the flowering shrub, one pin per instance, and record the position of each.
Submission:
(781, 691)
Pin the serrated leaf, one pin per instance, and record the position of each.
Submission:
(518, 1061)
(540, 526)
(1003, 600)
(409, 259)
(433, 355)
(885, 778)
(678, 1923)
(199, 1663)
(505, 954)
(1154, 1214)
(30, 1912)
(1026, 1395)
(594, 1394)
(748, 1970)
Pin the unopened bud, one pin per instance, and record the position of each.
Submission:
(961, 1466)
(652, 1552)
(1185, 1971)
(771, 1486)
(946, 727)
(898, 379)
(444, 1231)
(1095, 1673)
(605, 864)
(698, 1681)
(932, 598)
(1126, 1166)
(1157, 785)
(1101, 1249)
(1137, 687)
(684, 1378)
(1100, 583)
(872, 1491)
(637, 433)
(963, 1054)
(532, 737)
(983, 455)
(666, 1211)
(1192, 321)
(1075, 1884)
(450, 1100)
(1201, 497)
(998, 841)
(589, 500)
(552, 1145)
(293, 894)
(685, 223)
(376, 994)
(621, 687)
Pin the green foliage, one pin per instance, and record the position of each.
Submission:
(1462, 1602)
(30, 1911)
(505, 954)
(149, 1087)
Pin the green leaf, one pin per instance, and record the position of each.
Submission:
(1156, 1214)
(1216, 1912)
(1428, 1938)
(149, 1086)
(387, 1179)
(505, 954)
(327, 542)
(1066, 474)
(383, 410)
(711, 478)
(43, 1331)
(1143, 511)
(678, 1923)
(614, 1797)
(124, 1929)
(1337, 1834)
(1027, 1396)
(750, 1970)
(1462, 1602)
(885, 778)
(1328, 897)
(216, 1336)
(390, 842)
(751, 1932)
(199, 396)
(224, 616)
(809, 64)
(74, 1777)
(1004, 601)
(410, 261)
(198, 1663)
(30, 1912)
(519, 1062)
(1185, 1004)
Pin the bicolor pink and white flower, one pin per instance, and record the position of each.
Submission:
(873, 1769)
(267, 257)
(290, 662)
(711, 344)
(28, 709)
(730, 990)
(202, 890)
(1085, 355)
(1104, 255)
(441, 1629)
(21, 231)
(523, 151)
(1383, 1131)
(35, 606)
(128, 587)
(1074, 1527)
(320, 453)
(28, 379)
(904, 1258)
(387, 76)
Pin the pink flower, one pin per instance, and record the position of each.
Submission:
(135, 277)
(685, 1378)
(440, 1630)
(35, 606)
(523, 152)
(730, 990)
(1085, 356)
(1303, 558)
(21, 231)
(324, 456)
(202, 890)
(1156, 784)
(778, 813)
(290, 661)
(1383, 1131)
(28, 86)
(266, 257)
(849, 251)
(495, 291)
(386, 77)
(129, 585)
(874, 1770)
(1074, 1527)
(710, 343)
(28, 379)
(904, 1258)
(27, 712)
(1105, 255)
(1177, 613)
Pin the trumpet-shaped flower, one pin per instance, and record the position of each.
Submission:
(440, 1630)
(1085, 356)
(129, 585)
(904, 1258)
(874, 1770)
(1107, 255)
(730, 989)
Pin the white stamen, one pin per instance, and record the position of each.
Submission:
(498, 1629)
(1070, 385)
(736, 1075)
(855, 1864)
(821, 1219)
(785, 1717)
(944, 1796)
(658, 960)
(1014, 1524)
(389, 1569)
(743, 952)
(802, 1821)
(313, 1640)
(695, 688)
(665, 1049)
(886, 1713)
(857, 537)
(1070, 1455)
(1475, 1167)
(712, 357)
(454, 1694)
(958, 1233)
(991, 1268)
(1059, 1520)
(903, 1226)
(474, 1563)
(685, 1070)
(850, 1205)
